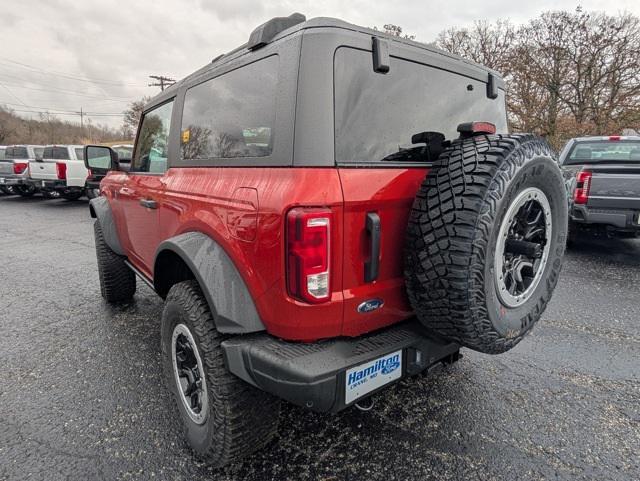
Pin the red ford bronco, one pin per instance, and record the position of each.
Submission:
(326, 210)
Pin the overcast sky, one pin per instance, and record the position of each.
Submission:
(96, 55)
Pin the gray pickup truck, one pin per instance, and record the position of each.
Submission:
(603, 181)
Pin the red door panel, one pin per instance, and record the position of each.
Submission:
(389, 193)
(142, 223)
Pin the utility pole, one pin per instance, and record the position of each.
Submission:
(161, 81)
(81, 123)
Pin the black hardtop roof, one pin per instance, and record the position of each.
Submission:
(318, 22)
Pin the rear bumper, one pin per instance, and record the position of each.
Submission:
(626, 219)
(49, 184)
(13, 180)
(56, 185)
(314, 375)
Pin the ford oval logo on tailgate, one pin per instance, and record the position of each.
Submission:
(370, 305)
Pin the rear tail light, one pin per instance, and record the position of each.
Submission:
(20, 167)
(583, 183)
(308, 250)
(614, 138)
(61, 170)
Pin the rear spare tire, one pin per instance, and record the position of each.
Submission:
(485, 240)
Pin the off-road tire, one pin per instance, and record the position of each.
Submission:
(572, 235)
(452, 237)
(25, 190)
(240, 419)
(117, 281)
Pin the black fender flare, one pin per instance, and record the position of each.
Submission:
(100, 209)
(229, 299)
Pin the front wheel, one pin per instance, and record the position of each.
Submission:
(224, 418)
(117, 281)
(486, 239)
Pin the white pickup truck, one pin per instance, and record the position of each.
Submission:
(60, 170)
(14, 175)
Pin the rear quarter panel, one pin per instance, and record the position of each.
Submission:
(218, 202)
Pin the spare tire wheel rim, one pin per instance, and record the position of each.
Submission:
(523, 246)
(189, 374)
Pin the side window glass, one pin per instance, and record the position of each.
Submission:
(232, 115)
(79, 153)
(153, 141)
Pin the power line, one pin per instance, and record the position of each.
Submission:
(54, 110)
(58, 90)
(162, 81)
(12, 94)
(68, 92)
(67, 76)
(86, 114)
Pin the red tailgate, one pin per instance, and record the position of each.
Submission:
(387, 193)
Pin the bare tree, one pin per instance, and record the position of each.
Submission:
(47, 128)
(567, 73)
(395, 30)
(132, 116)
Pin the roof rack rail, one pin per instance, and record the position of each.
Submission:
(263, 34)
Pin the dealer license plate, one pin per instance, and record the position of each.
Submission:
(367, 377)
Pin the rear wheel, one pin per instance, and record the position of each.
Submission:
(225, 419)
(7, 189)
(93, 193)
(25, 190)
(71, 195)
(486, 238)
(117, 281)
(50, 194)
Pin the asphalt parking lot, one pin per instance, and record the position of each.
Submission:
(81, 393)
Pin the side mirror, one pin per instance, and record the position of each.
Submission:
(100, 158)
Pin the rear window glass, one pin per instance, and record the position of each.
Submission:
(231, 115)
(604, 151)
(38, 151)
(16, 153)
(2, 154)
(124, 153)
(377, 114)
(56, 153)
(79, 153)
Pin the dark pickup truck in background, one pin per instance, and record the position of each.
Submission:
(603, 182)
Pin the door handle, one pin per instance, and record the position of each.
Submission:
(372, 266)
(149, 203)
